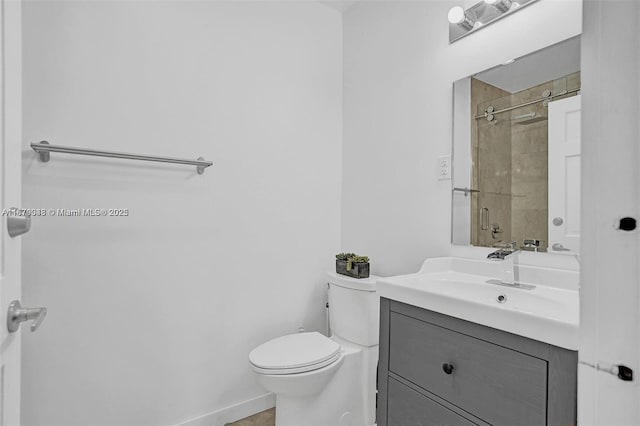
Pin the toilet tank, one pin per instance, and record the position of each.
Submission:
(354, 309)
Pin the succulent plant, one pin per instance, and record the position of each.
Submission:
(356, 259)
(345, 256)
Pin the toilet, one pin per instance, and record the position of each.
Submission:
(327, 381)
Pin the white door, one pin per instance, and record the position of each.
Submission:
(10, 187)
(564, 175)
(609, 271)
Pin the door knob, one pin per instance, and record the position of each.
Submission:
(559, 247)
(18, 314)
(557, 221)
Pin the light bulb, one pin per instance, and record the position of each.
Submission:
(456, 15)
(502, 5)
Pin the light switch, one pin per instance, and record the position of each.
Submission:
(444, 167)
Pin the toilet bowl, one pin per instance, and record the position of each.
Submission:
(326, 381)
(297, 364)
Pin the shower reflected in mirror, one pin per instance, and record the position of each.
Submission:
(516, 153)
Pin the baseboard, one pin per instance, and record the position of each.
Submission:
(234, 412)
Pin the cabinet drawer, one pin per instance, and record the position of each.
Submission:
(409, 408)
(498, 385)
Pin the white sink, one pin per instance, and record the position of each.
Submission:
(466, 289)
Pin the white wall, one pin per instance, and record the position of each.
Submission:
(151, 317)
(398, 75)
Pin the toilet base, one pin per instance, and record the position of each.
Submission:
(344, 401)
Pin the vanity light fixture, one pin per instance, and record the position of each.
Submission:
(458, 16)
(463, 22)
(502, 5)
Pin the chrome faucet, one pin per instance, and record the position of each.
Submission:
(509, 257)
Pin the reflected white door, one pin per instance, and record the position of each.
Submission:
(564, 175)
(10, 185)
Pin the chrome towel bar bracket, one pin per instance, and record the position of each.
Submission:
(44, 149)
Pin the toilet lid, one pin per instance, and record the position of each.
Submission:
(295, 352)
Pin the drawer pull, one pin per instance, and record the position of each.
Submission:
(447, 368)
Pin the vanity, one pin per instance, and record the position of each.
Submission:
(456, 348)
(493, 340)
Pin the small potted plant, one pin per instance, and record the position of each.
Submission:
(352, 265)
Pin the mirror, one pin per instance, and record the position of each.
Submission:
(516, 153)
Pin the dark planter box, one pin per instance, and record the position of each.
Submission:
(358, 270)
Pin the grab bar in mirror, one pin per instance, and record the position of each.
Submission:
(466, 191)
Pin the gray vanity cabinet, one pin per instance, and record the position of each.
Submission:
(438, 370)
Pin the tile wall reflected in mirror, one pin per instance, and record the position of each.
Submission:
(503, 153)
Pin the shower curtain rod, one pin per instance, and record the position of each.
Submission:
(44, 148)
(535, 101)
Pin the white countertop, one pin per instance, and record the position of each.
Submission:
(458, 287)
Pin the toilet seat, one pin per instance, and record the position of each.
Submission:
(294, 353)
